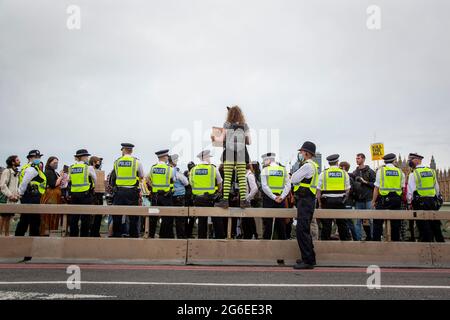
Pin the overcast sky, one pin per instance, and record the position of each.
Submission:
(160, 74)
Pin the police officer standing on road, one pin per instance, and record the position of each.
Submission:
(333, 190)
(387, 195)
(179, 195)
(305, 181)
(276, 186)
(32, 185)
(206, 183)
(161, 179)
(127, 172)
(82, 179)
(423, 193)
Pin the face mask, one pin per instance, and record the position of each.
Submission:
(98, 166)
(36, 162)
(300, 158)
(411, 164)
(54, 166)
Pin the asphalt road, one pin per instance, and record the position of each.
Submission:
(49, 281)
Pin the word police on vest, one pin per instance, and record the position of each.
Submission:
(276, 173)
(201, 172)
(125, 163)
(335, 174)
(159, 170)
(76, 170)
(391, 173)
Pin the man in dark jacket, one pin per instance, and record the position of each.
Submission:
(363, 194)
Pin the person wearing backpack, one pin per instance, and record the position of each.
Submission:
(9, 190)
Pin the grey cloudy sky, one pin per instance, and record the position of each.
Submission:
(146, 71)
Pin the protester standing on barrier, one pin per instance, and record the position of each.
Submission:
(96, 220)
(423, 194)
(387, 195)
(9, 190)
(32, 184)
(206, 183)
(333, 191)
(161, 179)
(276, 186)
(235, 137)
(128, 170)
(82, 183)
(363, 194)
(179, 194)
(305, 181)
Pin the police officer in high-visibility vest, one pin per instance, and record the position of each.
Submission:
(127, 172)
(333, 190)
(387, 195)
(423, 193)
(305, 181)
(82, 179)
(206, 184)
(32, 185)
(276, 186)
(161, 179)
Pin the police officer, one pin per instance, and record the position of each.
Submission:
(276, 186)
(161, 179)
(333, 191)
(82, 178)
(206, 184)
(179, 195)
(32, 184)
(127, 172)
(305, 181)
(387, 195)
(423, 192)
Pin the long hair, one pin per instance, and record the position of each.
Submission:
(235, 115)
(47, 166)
(10, 161)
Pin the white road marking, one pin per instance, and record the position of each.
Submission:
(16, 295)
(217, 284)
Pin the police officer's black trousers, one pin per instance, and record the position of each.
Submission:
(429, 230)
(82, 198)
(305, 211)
(390, 202)
(342, 225)
(126, 197)
(180, 222)
(166, 227)
(96, 219)
(280, 225)
(31, 220)
(248, 226)
(218, 222)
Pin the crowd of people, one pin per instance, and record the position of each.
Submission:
(237, 182)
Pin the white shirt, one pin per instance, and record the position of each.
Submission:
(378, 179)
(306, 171)
(265, 188)
(252, 187)
(334, 195)
(412, 185)
(30, 174)
(180, 177)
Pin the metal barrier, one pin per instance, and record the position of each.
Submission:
(203, 251)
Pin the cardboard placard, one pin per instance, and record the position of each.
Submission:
(217, 133)
(101, 182)
(377, 151)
